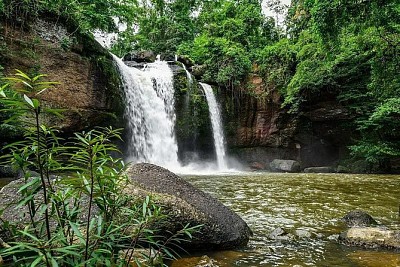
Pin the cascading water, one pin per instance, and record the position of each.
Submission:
(218, 135)
(150, 114)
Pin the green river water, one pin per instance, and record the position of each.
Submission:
(310, 202)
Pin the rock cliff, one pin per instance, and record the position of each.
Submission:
(259, 129)
(89, 83)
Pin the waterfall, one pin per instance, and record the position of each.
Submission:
(218, 135)
(188, 75)
(150, 113)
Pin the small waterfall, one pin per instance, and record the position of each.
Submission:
(215, 116)
(188, 75)
(150, 114)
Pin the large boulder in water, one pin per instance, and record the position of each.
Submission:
(283, 165)
(181, 202)
(222, 228)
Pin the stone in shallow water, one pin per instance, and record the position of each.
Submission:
(371, 237)
(358, 218)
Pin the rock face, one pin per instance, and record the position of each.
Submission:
(88, 81)
(222, 228)
(258, 128)
(280, 165)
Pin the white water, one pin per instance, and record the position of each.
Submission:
(150, 114)
(215, 115)
(188, 75)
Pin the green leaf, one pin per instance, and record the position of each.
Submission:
(29, 101)
(34, 180)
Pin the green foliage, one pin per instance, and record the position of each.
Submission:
(231, 34)
(83, 15)
(348, 50)
(84, 219)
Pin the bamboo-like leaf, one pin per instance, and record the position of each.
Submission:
(22, 74)
(77, 232)
(29, 101)
(36, 262)
(32, 182)
(34, 79)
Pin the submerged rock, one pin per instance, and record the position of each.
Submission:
(280, 234)
(222, 228)
(206, 261)
(371, 237)
(363, 232)
(282, 165)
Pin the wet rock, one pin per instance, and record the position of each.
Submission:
(134, 64)
(206, 261)
(282, 165)
(302, 233)
(371, 237)
(140, 56)
(358, 218)
(319, 170)
(280, 234)
(8, 172)
(222, 228)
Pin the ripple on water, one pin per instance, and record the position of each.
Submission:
(310, 202)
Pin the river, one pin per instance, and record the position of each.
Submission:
(312, 205)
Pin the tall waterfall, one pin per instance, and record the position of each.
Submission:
(218, 134)
(150, 113)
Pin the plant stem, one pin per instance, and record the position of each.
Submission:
(90, 203)
(40, 165)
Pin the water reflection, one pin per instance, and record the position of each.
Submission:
(312, 203)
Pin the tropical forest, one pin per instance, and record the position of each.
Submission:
(200, 133)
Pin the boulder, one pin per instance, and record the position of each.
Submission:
(371, 237)
(282, 165)
(319, 170)
(358, 218)
(222, 228)
(180, 201)
(140, 56)
(8, 172)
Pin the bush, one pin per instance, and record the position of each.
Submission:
(81, 217)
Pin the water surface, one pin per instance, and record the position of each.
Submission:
(312, 203)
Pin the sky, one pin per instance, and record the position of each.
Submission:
(270, 13)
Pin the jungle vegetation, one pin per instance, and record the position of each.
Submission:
(348, 49)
